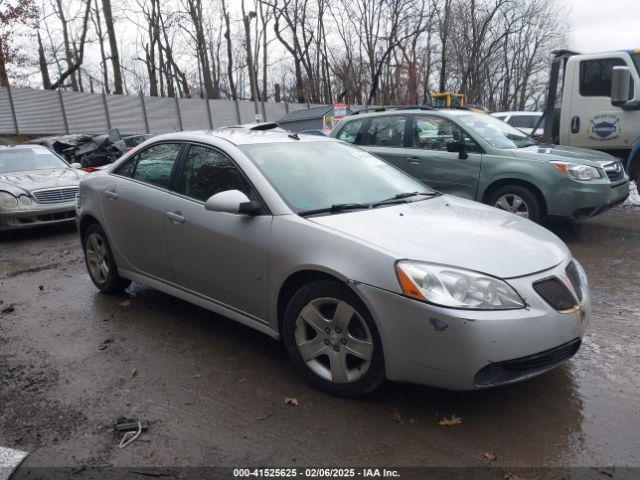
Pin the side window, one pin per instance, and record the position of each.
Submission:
(523, 121)
(595, 77)
(207, 172)
(349, 132)
(127, 168)
(153, 165)
(433, 133)
(386, 131)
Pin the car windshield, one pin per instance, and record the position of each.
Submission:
(25, 159)
(318, 175)
(496, 132)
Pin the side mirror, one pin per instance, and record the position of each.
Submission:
(76, 165)
(232, 201)
(620, 86)
(458, 146)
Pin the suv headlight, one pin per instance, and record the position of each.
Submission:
(455, 287)
(577, 171)
(7, 200)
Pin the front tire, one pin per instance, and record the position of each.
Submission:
(100, 263)
(332, 340)
(519, 200)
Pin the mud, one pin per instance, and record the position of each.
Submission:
(72, 361)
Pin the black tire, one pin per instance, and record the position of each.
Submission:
(112, 283)
(533, 205)
(374, 373)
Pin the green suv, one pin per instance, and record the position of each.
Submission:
(476, 156)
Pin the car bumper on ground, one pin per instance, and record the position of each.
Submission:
(472, 349)
(582, 200)
(37, 215)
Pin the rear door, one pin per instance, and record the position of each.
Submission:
(218, 255)
(428, 160)
(385, 136)
(133, 203)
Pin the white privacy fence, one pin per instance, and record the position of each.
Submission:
(26, 111)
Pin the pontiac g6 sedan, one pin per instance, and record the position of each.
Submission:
(362, 271)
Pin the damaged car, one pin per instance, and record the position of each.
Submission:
(364, 273)
(37, 188)
(89, 151)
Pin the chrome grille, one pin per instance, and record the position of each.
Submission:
(614, 171)
(56, 195)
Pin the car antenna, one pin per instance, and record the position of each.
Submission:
(294, 136)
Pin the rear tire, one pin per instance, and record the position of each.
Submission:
(100, 262)
(519, 200)
(332, 340)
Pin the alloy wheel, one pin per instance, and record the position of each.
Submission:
(97, 254)
(513, 203)
(334, 340)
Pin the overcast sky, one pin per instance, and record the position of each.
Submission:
(601, 25)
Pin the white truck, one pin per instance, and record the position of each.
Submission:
(597, 105)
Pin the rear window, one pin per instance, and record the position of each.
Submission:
(525, 121)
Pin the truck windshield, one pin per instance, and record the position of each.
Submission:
(496, 132)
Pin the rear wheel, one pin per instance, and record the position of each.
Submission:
(100, 263)
(518, 200)
(332, 339)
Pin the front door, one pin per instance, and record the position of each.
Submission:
(428, 160)
(218, 255)
(133, 203)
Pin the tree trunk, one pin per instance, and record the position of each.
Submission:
(113, 46)
(44, 68)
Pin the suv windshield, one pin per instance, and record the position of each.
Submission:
(636, 60)
(25, 159)
(496, 132)
(318, 175)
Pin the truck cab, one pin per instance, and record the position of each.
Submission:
(599, 106)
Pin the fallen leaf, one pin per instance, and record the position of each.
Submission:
(490, 456)
(450, 421)
(291, 401)
(134, 372)
(396, 417)
(124, 392)
(8, 309)
(606, 472)
(125, 303)
(196, 376)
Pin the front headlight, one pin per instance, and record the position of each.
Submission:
(7, 200)
(455, 287)
(25, 201)
(577, 171)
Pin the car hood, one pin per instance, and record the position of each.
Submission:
(453, 231)
(548, 152)
(25, 182)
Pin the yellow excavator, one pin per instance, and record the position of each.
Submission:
(454, 100)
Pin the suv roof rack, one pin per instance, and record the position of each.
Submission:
(394, 107)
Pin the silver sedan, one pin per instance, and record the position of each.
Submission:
(36, 188)
(362, 271)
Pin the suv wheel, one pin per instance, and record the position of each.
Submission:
(100, 263)
(518, 200)
(332, 339)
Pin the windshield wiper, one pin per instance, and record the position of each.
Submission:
(401, 198)
(335, 208)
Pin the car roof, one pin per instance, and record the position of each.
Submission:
(518, 113)
(241, 136)
(451, 112)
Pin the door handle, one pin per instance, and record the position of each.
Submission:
(575, 124)
(111, 194)
(176, 217)
(415, 160)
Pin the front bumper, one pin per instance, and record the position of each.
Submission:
(37, 215)
(453, 349)
(582, 200)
